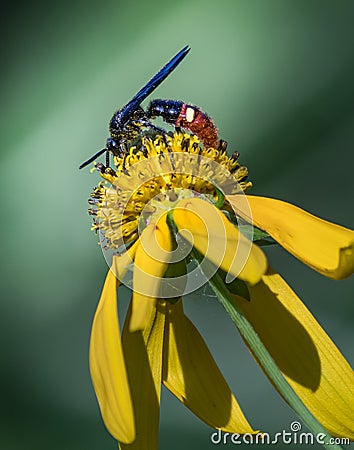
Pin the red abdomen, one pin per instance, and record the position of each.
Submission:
(192, 118)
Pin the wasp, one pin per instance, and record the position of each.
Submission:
(128, 122)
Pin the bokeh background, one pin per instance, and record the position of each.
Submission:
(277, 77)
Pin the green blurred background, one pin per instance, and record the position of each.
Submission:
(277, 77)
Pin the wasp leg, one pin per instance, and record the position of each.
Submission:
(124, 150)
(148, 124)
(163, 136)
(222, 145)
(158, 130)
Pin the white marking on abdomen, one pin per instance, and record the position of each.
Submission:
(190, 113)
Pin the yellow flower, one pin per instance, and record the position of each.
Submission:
(164, 201)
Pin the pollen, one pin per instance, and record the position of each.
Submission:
(156, 174)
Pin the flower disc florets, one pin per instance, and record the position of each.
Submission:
(154, 177)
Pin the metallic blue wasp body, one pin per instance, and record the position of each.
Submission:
(127, 122)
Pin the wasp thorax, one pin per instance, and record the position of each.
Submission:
(126, 125)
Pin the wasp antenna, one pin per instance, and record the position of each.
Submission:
(96, 155)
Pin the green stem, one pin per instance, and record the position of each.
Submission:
(261, 353)
(221, 198)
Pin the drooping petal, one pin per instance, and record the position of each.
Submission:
(324, 246)
(143, 355)
(121, 263)
(305, 354)
(107, 366)
(151, 261)
(219, 240)
(191, 374)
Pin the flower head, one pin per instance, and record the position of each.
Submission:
(170, 202)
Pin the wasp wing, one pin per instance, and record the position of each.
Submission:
(157, 79)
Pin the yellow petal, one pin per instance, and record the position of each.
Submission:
(121, 263)
(151, 261)
(215, 237)
(143, 355)
(322, 245)
(191, 374)
(107, 366)
(305, 354)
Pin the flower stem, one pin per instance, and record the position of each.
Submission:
(261, 353)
